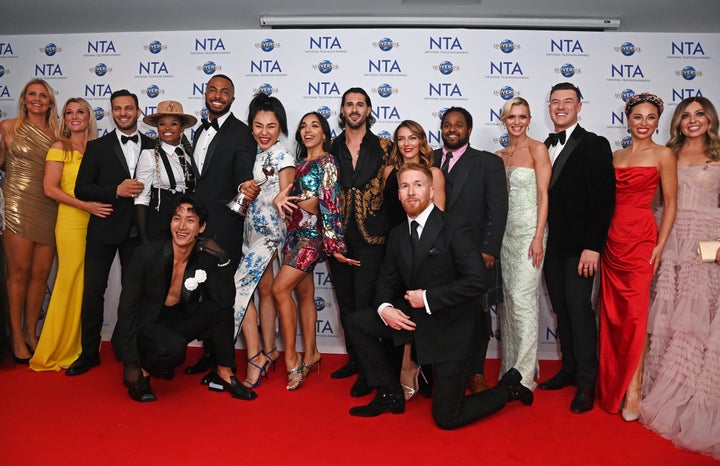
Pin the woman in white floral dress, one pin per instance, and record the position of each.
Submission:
(263, 237)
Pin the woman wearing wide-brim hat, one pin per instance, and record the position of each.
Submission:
(166, 170)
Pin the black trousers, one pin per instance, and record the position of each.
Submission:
(163, 343)
(355, 286)
(98, 260)
(450, 407)
(570, 296)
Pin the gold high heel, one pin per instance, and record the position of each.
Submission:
(307, 368)
(296, 376)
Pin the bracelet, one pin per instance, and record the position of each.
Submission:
(224, 264)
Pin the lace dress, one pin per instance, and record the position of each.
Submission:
(521, 280)
(681, 384)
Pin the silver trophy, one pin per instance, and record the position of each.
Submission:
(240, 203)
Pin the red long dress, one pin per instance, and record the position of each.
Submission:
(626, 274)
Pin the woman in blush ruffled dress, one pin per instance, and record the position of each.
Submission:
(314, 232)
(681, 383)
(528, 170)
(632, 255)
(263, 238)
(59, 343)
(28, 239)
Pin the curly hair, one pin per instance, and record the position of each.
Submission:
(426, 152)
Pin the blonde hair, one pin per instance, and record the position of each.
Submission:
(51, 117)
(511, 103)
(64, 131)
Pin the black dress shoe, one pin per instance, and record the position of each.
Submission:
(205, 363)
(516, 391)
(510, 378)
(522, 393)
(583, 401)
(558, 381)
(348, 370)
(141, 391)
(360, 387)
(207, 378)
(382, 403)
(234, 387)
(82, 364)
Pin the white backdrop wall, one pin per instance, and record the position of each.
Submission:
(409, 74)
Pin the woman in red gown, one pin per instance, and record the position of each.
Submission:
(632, 255)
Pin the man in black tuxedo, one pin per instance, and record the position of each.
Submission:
(174, 291)
(107, 174)
(429, 292)
(224, 154)
(476, 189)
(361, 156)
(581, 201)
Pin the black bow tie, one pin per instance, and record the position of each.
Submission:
(554, 138)
(134, 138)
(207, 124)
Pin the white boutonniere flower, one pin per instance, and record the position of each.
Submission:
(192, 283)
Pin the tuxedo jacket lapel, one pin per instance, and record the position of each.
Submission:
(120, 155)
(569, 147)
(406, 252)
(430, 232)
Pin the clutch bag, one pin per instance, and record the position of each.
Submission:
(708, 250)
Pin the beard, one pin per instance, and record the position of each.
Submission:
(355, 124)
(217, 113)
(456, 145)
(415, 209)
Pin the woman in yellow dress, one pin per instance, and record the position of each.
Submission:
(59, 343)
(28, 238)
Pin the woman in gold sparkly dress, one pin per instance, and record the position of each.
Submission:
(29, 236)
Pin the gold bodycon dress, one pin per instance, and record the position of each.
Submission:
(28, 213)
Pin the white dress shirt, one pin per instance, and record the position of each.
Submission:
(147, 172)
(555, 150)
(131, 150)
(421, 219)
(204, 140)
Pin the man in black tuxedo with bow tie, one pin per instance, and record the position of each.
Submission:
(581, 201)
(224, 154)
(475, 188)
(428, 292)
(107, 174)
(174, 291)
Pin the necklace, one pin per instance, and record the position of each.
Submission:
(513, 149)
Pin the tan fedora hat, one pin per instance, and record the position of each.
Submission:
(170, 108)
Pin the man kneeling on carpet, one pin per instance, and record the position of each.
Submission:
(436, 259)
(174, 291)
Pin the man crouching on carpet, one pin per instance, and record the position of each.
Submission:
(436, 259)
(174, 291)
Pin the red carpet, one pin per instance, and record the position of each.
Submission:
(51, 419)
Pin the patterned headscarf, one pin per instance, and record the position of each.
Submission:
(645, 97)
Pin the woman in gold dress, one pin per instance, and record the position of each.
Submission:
(59, 343)
(28, 239)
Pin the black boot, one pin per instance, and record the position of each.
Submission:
(382, 403)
